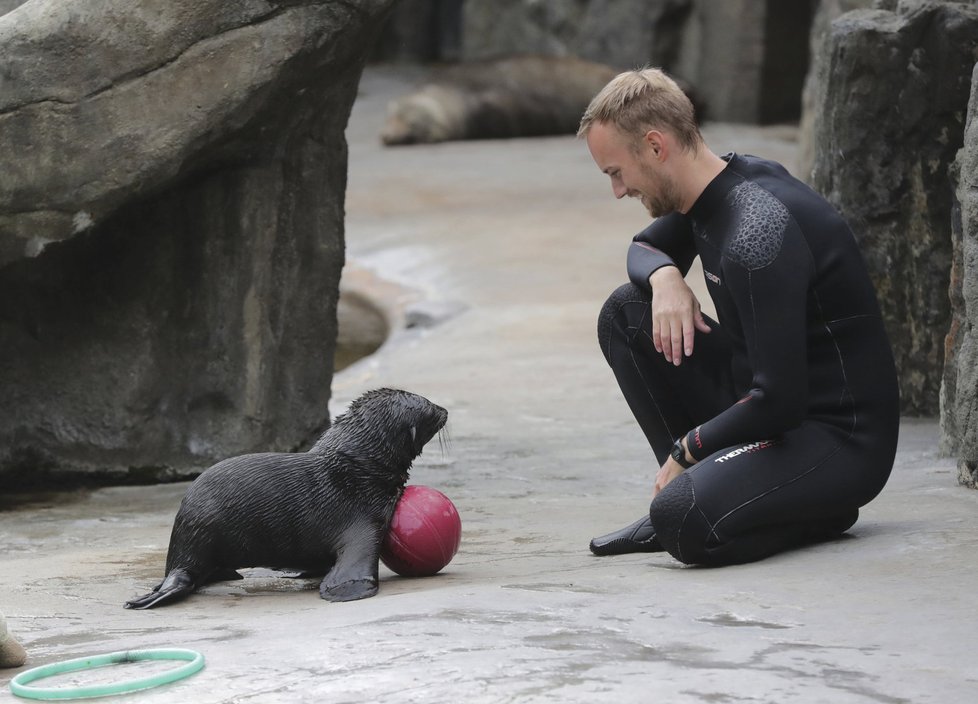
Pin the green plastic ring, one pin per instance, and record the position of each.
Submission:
(18, 685)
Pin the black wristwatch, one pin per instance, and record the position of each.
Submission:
(679, 454)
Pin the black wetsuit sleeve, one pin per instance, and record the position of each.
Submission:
(768, 284)
(668, 241)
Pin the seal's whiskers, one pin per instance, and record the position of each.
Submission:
(444, 440)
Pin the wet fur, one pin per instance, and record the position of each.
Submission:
(325, 511)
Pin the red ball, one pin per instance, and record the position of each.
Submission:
(424, 535)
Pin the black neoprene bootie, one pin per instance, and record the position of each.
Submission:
(638, 537)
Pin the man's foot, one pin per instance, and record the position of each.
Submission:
(638, 537)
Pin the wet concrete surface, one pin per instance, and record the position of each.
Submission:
(492, 259)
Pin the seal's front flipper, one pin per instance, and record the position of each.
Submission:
(355, 574)
(177, 585)
(348, 591)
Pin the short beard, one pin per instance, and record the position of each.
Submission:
(666, 199)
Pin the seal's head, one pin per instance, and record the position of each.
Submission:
(387, 425)
(433, 114)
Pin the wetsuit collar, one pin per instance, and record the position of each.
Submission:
(716, 190)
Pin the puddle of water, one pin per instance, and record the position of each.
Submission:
(735, 621)
(40, 500)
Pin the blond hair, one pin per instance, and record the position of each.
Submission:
(638, 101)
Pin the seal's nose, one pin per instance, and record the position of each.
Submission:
(442, 416)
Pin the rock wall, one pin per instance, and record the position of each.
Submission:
(172, 178)
(747, 60)
(621, 33)
(421, 30)
(959, 392)
(891, 93)
(820, 41)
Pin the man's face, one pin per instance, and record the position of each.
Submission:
(634, 174)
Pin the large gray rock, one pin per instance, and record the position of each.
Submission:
(959, 393)
(819, 41)
(890, 102)
(172, 177)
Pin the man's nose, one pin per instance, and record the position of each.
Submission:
(618, 188)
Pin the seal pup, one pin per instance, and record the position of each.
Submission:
(325, 511)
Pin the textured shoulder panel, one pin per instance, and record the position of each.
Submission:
(760, 222)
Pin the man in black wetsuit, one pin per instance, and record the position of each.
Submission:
(773, 426)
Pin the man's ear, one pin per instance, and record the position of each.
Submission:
(655, 140)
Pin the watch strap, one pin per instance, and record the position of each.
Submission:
(679, 454)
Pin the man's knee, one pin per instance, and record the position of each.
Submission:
(679, 526)
(611, 311)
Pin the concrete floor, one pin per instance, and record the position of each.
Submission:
(499, 254)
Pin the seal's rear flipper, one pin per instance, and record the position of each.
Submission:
(177, 585)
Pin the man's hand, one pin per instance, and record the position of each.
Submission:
(667, 472)
(670, 470)
(675, 314)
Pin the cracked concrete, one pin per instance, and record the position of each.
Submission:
(520, 241)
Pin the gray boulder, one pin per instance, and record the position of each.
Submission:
(172, 177)
(959, 392)
(891, 93)
(625, 34)
(825, 13)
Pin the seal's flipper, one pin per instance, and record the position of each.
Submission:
(354, 576)
(348, 591)
(177, 585)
